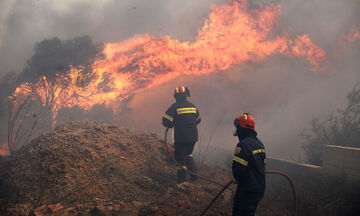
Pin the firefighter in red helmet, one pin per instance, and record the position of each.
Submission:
(184, 117)
(248, 167)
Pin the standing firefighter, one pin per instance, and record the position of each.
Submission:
(184, 117)
(248, 167)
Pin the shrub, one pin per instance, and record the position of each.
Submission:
(341, 127)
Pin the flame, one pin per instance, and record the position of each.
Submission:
(352, 36)
(4, 149)
(232, 34)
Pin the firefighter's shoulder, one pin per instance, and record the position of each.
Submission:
(245, 144)
(252, 143)
(241, 147)
(260, 143)
(189, 104)
(173, 107)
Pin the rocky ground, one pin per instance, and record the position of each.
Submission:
(84, 168)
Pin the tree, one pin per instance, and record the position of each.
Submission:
(341, 127)
(45, 84)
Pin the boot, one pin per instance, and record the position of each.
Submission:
(181, 175)
(191, 166)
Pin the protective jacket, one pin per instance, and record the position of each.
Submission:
(249, 165)
(184, 117)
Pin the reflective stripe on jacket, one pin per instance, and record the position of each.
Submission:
(249, 165)
(183, 116)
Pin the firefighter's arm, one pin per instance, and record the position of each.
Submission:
(198, 118)
(168, 118)
(240, 161)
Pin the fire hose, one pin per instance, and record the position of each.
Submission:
(230, 182)
(268, 172)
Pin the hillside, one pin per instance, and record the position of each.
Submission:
(84, 168)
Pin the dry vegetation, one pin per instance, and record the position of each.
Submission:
(83, 168)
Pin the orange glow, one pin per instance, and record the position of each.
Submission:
(353, 35)
(232, 34)
(4, 149)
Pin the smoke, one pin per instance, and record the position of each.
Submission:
(24, 23)
(312, 95)
(54, 57)
(4, 14)
(282, 93)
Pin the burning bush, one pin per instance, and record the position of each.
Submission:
(34, 104)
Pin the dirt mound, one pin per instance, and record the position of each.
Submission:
(84, 168)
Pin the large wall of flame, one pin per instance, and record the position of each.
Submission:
(232, 34)
(282, 93)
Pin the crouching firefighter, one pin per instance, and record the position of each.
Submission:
(248, 167)
(184, 117)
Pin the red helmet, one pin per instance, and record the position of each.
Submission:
(245, 121)
(182, 90)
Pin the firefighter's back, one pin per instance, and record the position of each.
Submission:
(185, 121)
(254, 178)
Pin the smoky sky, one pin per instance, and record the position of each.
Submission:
(23, 23)
(282, 93)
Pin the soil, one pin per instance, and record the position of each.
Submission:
(86, 168)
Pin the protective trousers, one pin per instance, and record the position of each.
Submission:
(183, 155)
(245, 203)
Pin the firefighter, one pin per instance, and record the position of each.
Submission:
(248, 167)
(184, 117)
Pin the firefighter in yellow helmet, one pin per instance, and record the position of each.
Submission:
(184, 117)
